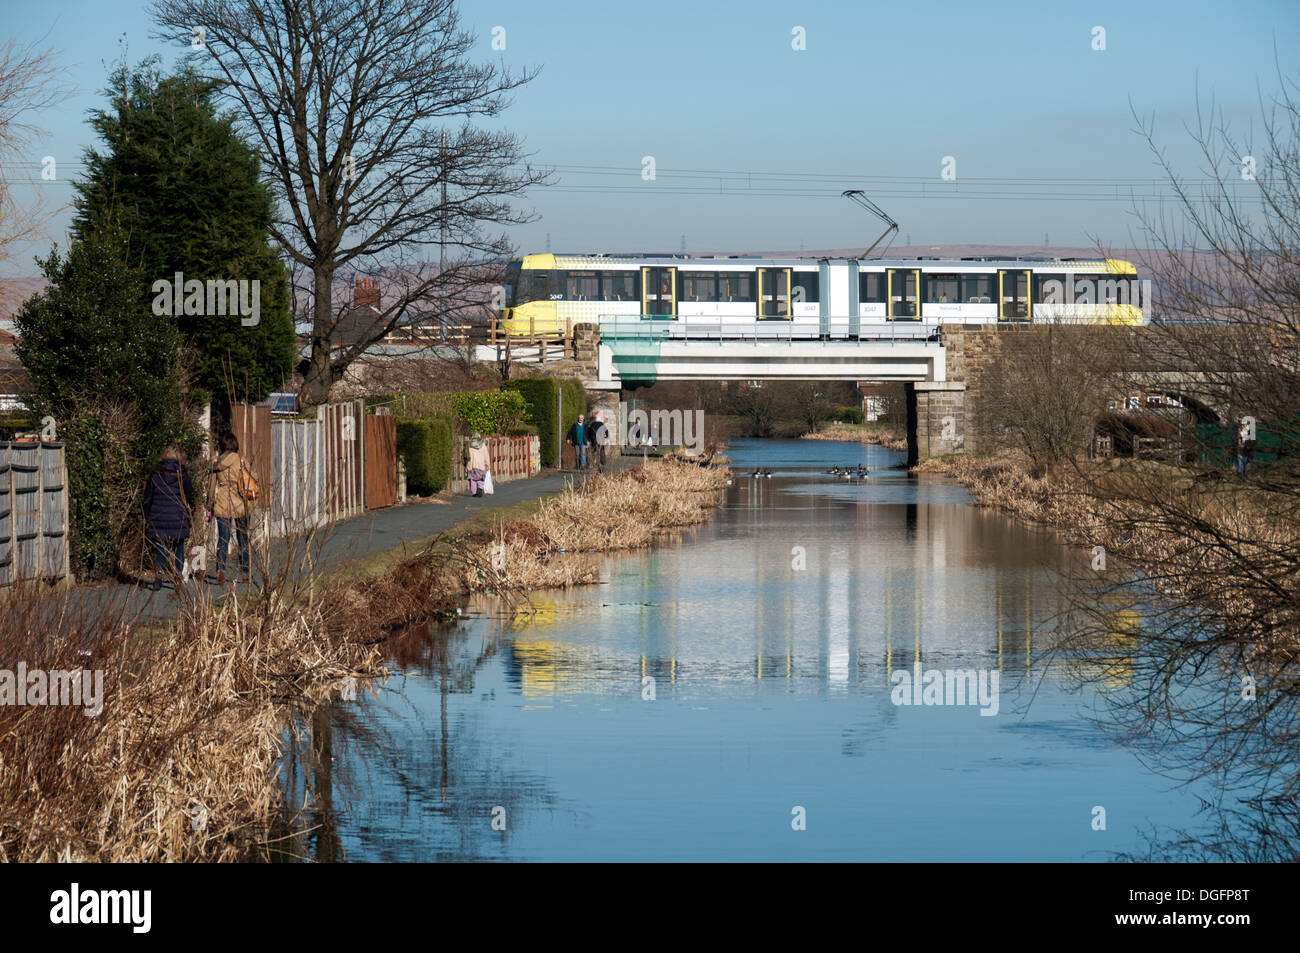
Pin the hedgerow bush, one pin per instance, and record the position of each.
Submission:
(540, 395)
(490, 412)
(425, 446)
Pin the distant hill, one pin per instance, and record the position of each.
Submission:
(13, 292)
(952, 251)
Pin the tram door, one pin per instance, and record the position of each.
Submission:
(903, 294)
(1013, 295)
(774, 294)
(659, 292)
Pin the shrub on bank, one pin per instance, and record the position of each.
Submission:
(425, 446)
(490, 412)
(850, 415)
(541, 396)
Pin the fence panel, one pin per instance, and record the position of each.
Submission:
(297, 493)
(33, 512)
(25, 469)
(6, 519)
(344, 442)
(381, 460)
(251, 425)
(54, 511)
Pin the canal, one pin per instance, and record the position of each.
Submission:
(748, 694)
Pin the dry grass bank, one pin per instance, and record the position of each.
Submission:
(888, 437)
(623, 512)
(180, 763)
(1212, 542)
(556, 546)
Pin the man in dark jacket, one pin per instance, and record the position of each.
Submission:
(579, 437)
(167, 514)
(599, 440)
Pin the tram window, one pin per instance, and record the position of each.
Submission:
(1050, 285)
(942, 288)
(1114, 291)
(582, 286)
(1083, 290)
(618, 286)
(536, 286)
(871, 287)
(978, 289)
(698, 286)
(735, 286)
(807, 287)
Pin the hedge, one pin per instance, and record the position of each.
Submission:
(425, 448)
(489, 411)
(539, 394)
(850, 415)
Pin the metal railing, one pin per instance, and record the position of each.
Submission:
(657, 328)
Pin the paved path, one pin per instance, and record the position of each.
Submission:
(374, 531)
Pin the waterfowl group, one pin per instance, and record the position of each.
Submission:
(849, 473)
(762, 473)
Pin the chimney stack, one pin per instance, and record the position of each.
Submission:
(366, 293)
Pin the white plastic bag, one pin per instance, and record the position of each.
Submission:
(487, 482)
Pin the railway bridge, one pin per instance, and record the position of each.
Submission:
(942, 366)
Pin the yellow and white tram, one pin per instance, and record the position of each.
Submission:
(545, 294)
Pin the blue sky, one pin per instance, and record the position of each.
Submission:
(1010, 90)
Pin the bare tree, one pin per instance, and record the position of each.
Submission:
(1044, 390)
(1211, 563)
(808, 403)
(29, 83)
(759, 406)
(364, 112)
(1226, 257)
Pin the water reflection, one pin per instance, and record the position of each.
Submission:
(682, 707)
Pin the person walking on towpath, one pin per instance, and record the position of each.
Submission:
(234, 487)
(579, 437)
(599, 439)
(167, 514)
(478, 465)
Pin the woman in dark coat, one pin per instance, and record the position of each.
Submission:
(167, 513)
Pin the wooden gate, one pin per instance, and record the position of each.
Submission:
(343, 434)
(296, 493)
(381, 460)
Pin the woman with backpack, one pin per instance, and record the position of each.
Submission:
(167, 514)
(233, 487)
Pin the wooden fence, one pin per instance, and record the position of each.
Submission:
(251, 426)
(343, 440)
(536, 343)
(296, 480)
(315, 471)
(33, 512)
(381, 459)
